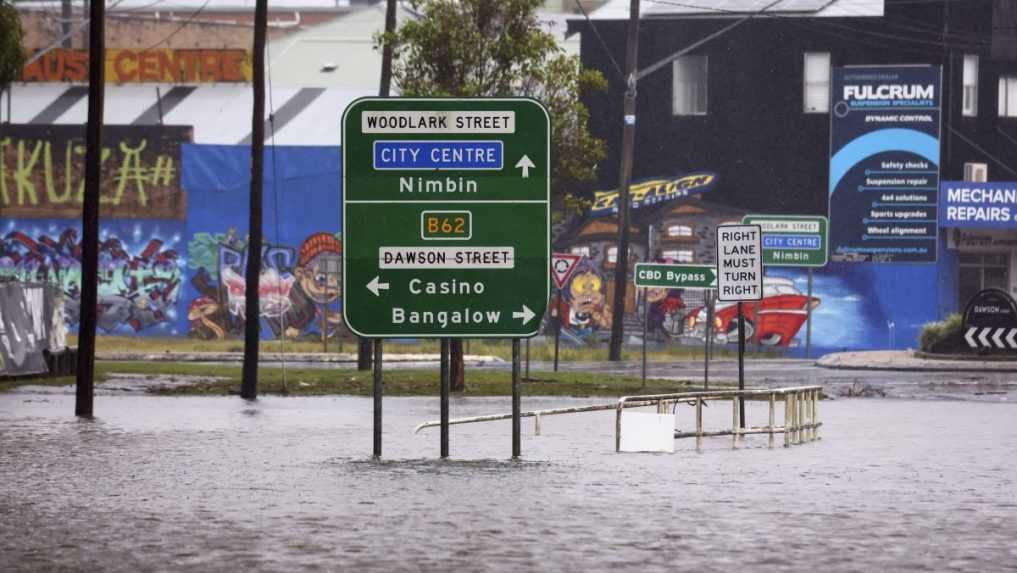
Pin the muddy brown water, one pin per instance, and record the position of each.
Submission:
(216, 484)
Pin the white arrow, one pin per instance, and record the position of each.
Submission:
(1009, 338)
(984, 337)
(374, 286)
(526, 314)
(970, 337)
(998, 337)
(526, 165)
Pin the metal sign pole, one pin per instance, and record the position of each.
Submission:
(741, 364)
(378, 390)
(808, 319)
(516, 442)
(646, 317)
(557, 330)
(706, 342)
(445, 382)
(527, 358)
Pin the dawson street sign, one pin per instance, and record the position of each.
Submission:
(445, 217)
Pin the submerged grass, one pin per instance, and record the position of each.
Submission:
(398, 382)
(539, 352)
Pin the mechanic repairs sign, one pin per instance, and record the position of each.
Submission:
(978, 205)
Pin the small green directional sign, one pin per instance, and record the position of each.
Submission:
(793, 240)
(675, 276)
(445, 217)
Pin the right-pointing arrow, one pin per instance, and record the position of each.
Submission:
(526, 314)
(969, 336)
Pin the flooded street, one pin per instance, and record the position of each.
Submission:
(285, 483)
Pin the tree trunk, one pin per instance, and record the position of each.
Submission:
(458, 371)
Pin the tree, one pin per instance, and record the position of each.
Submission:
(12, 54)
(497, 48)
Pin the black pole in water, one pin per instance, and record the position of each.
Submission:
(741, 365)
(646, 318)
(445, 383)
(378, 389)
(706, 341)
(808, 319)
(515, 400)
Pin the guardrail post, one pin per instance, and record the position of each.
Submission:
(699, 423)
(734, 421)
(771, 419)
(787, 420)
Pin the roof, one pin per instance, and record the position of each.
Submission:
(213, 6)
(619, 9)
(219, 113)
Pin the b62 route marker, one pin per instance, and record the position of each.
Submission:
(675, 276)
(446, 211)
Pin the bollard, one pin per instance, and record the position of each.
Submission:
(787, 420)
(536, 424)
(815, 413)
(735, 402)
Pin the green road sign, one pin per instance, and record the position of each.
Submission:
(446, 210)
(793, 240)
(675, 276)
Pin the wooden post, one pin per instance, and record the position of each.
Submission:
(787, 420)
(621, 272)
(88, 317)
(734, 420)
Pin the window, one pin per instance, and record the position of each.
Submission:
(1007, 96)
(678, 256)
(969, 99)
(612, 255)
(679, 231)
(817, 82)
(690, 85)
(981, 271)
(582, 251)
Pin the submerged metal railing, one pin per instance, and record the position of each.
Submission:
(801, 413)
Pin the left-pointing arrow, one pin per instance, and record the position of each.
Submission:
(526, 314)
(375, 286)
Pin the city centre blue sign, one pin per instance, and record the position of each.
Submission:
(978, 205)
(884, 163)
(437, 155)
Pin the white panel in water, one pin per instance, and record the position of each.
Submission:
(646, 432)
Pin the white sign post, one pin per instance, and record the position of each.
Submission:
(740, 278)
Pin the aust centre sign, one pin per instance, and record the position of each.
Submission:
(445, 217)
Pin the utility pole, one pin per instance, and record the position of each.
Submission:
(252, 313)
(364, 344)
(621, 271)
(65, 22)
(90, 212)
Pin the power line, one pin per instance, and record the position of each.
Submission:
(603, 44)
(181, 26)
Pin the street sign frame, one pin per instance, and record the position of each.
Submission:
(684, 268)
(721, 256)
(351, 296)
(824, 234)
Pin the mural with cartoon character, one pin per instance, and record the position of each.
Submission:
(584, 309)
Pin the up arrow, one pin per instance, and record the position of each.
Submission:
(526, 314)
(374, 286)
(526, 165)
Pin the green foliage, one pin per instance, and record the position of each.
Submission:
(934, 333)
(497, 48)
(12, 54)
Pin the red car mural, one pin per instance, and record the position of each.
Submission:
(772, 321)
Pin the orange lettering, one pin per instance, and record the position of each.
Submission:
(210, 66)
(148, 67)
(231, 71)
(123, 74)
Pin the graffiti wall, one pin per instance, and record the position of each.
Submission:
(173, 239)
(300, 284)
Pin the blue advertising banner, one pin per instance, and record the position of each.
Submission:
(978, 205)
(884, 163)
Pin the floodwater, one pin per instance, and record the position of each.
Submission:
(216, 484)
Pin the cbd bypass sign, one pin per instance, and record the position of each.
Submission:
(445, 217)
